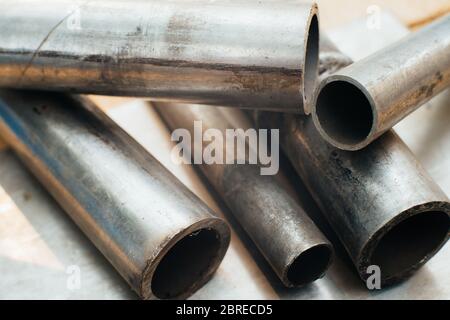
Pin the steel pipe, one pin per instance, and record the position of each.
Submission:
(244, 54)
(263, 205)
(381, 203)
(357, 104)
(158, 235)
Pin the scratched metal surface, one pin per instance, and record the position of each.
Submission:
(39, 243)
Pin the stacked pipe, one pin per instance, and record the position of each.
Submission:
(263, 204)
(381, 203)
(230, 53)
(158, 235)
(262, 56)
(357, 104)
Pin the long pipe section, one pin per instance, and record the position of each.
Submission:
(380, 201)
(262, 204)
(158, 235)
(244, 54)
(357, 104)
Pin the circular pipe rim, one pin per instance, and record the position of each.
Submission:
(287, 280)
(310, 74)
(222, 230)
(371, 135)
(365, 257)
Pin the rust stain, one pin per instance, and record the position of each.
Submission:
(27, 196)
(174, 63)
(428, 90)
(258, 82)
(178, 33)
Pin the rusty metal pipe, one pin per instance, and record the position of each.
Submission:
(263, 205)
(357, 104)
(158, 235)
(382, 204)
(244, 54)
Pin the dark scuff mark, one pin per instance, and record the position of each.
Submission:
(99, 58)
(427, 91)
(36, 52)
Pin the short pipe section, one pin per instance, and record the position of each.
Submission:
(264, 205)
(161, 238)
(357, 104)
(382, 204)
(251, 55)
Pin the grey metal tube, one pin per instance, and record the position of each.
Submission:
(295, 248)
(382, 204)
(158, 235)
(380, 201)
(357, 104)
(244, 54)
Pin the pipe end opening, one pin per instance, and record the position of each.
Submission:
(344, 113)
(311, 62)
(410, 243)
(187, 265)
(310, 265)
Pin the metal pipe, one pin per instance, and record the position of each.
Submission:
(244, 54)
(158, 235)
(382, 204)
(295, 248)
(357, 104)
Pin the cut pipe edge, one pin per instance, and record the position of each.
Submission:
(369, 231)
(311, 264)
(264, 206)
(311, 60)
(269, 78)
(361, 102)
(406, 242)
(187, 261)
(344, 113)
(138, 251)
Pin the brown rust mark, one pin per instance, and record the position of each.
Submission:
(259, 82)
(174, 63)
(178, 33)
(27, 196)
(428, 90)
